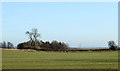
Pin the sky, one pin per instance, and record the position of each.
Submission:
(59, 0)
(86, 24)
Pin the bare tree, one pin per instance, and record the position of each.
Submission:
(30, 35)
(33, 36)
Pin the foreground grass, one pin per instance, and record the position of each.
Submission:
(59, 60)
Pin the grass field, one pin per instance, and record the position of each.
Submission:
(13, 59)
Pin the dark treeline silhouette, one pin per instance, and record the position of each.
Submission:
(112, 45)
(7, 45)
(34, 43)
(45, 46)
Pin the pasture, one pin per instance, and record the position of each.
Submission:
(15, 59)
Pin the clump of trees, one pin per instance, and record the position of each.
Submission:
(54, 45)
(112, 45)
(34, 43)
(7, 45)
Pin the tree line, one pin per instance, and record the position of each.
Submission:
(7, 45)
(34, 43)
(40, 45)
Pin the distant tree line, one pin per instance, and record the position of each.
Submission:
(40, 45)
(34, 43)
(7, 45)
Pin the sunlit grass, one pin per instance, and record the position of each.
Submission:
(13, 59)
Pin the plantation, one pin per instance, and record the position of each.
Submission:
(16, 59)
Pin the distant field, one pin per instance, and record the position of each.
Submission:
(13, 59)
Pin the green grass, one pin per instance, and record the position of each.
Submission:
(59, 60)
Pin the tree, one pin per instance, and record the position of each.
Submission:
(55, 45)
(33, 36)
(59, 46)
(9, 45)
(65, 46)
(4, 44)
(30, 35)
(1, 45)
(112, 45)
